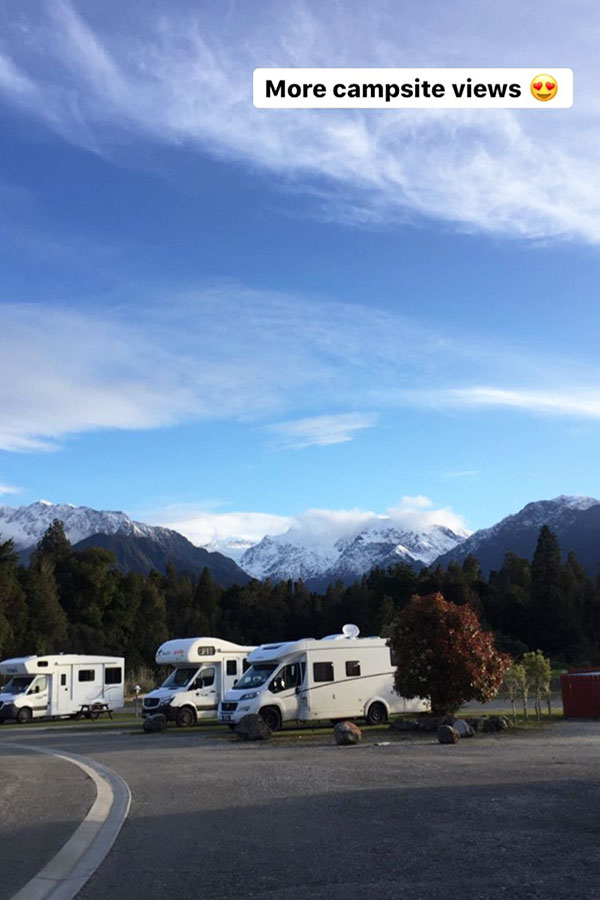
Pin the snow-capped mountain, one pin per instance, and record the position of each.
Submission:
(574, 520)
(137, 546)
(296, 555)
(27, 524)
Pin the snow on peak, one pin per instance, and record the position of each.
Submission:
(26, 525)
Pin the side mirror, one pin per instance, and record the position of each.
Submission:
(235, 682)
(297, 691)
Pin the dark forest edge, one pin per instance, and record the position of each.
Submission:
(79, 601)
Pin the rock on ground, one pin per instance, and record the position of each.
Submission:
(447, 734)
(346, 733)
(157, 722)
(253, 728)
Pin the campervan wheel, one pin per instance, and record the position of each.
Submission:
(377, 714)
(272, 717)
(24, 715)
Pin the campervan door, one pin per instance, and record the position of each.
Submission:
(61, 703)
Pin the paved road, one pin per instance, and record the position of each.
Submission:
(42, 801)
(493, 817)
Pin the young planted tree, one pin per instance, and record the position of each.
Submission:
(514, 681)
(443, 654)
(538, 670)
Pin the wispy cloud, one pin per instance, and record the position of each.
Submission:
(101, 77)
(577, 402)
(8, 489)
(319, 430)
(276, 362)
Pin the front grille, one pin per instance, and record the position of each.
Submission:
(151, 701)
(228, 707)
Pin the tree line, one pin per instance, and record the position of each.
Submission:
(79, 601)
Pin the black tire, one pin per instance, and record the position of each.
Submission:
(376, 714)
(24, 715)
(185, 717)
(272, 717)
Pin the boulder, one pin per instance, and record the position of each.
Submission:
(496, 723)
(346, 733)
(253, 728)
(157, 722)
(447, 734)
(463, 728)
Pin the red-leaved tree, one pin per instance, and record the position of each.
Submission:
(442, 653)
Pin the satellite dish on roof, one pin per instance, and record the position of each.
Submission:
(351, 631)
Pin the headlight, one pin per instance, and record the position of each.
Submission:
(165, 701)
(250, 696)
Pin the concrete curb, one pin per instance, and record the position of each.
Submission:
(72, 866)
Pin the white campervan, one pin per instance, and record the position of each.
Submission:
(203, 671)
(340, 676)
(61, 685)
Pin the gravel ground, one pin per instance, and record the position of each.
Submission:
(494, 816)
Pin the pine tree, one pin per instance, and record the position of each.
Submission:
(48, 631)
(54, 542)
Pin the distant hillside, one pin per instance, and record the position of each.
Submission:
(142, 554)
(574, 520)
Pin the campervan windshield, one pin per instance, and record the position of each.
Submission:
(256, 675)
(180, 677)
(18, 684)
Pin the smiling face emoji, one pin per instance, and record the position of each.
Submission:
(544, 87)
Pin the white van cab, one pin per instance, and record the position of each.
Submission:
(203, 669)
(340, 676)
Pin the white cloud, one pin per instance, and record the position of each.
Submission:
(257, 357)
(319, 430)
(578, 402)
(185, 79)
(8, 489)
(314, 527)
(203, 527)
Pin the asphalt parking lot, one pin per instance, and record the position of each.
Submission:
(494, 816)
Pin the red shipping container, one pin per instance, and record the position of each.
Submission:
(580, 690)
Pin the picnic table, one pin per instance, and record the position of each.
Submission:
(93, 710)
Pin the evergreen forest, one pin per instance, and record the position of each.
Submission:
(80, 602)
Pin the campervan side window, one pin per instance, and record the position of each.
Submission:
(352, 668)
(289, 677)
(42, 663)
(205, 679)
(323, 671)
(63, 680)
(231, 667)
(86, 675)
(113, 675)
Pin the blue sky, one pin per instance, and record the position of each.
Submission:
(219, 318)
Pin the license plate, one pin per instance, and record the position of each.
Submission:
(226, 717)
